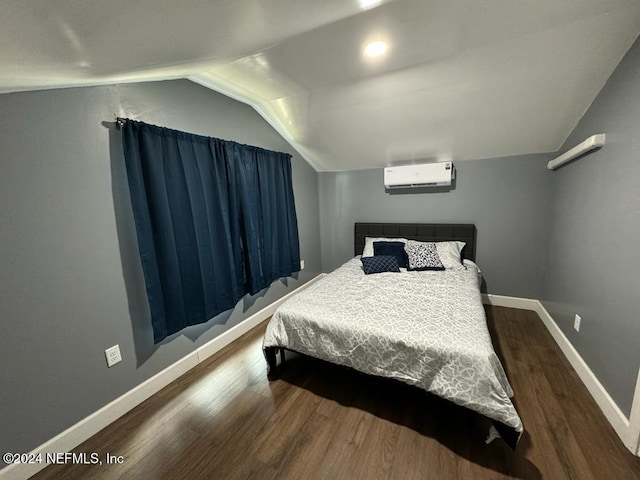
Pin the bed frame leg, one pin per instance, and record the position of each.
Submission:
(271, 354)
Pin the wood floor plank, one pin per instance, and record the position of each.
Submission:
(282, 430)
(226, 420)
(305, 456)
(227, 451)
(580, 412)
(421, 456)
(352, 427)
(526, 347)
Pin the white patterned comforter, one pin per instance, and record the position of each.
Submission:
(423, 328)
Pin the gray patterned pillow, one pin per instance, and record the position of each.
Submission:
(423, 256)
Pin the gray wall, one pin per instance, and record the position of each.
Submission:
(70, 278)
(594, 255)
(508, 199)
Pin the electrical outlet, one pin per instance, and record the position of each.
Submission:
(301, 264)
(113, 355)
(576, 323)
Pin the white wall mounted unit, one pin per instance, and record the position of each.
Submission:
(591, 143)
(438, 174)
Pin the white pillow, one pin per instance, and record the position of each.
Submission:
(449, 252)
(450, 255)
(368, 244)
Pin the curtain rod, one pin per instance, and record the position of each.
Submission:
(120, 121)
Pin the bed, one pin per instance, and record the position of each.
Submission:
(423, 328)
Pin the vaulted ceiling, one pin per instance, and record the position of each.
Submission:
(460, 79)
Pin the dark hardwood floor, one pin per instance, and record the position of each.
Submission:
(225, 420)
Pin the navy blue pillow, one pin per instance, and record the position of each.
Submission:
(392, 248)
(379, 264)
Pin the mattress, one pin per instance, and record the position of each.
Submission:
(425, 328)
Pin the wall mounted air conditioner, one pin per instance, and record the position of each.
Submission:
(424, 175)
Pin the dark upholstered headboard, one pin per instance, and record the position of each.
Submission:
(423, 232)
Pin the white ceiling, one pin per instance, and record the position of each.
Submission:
(462, 79)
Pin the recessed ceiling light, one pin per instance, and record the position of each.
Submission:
(375, 49)
(367, 4)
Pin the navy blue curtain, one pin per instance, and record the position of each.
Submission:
(267, 214)
(215, 220)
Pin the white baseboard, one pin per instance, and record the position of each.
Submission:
(511, 302)
(628, 429)
(634, 419)
(89, 426)
(614, 415)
